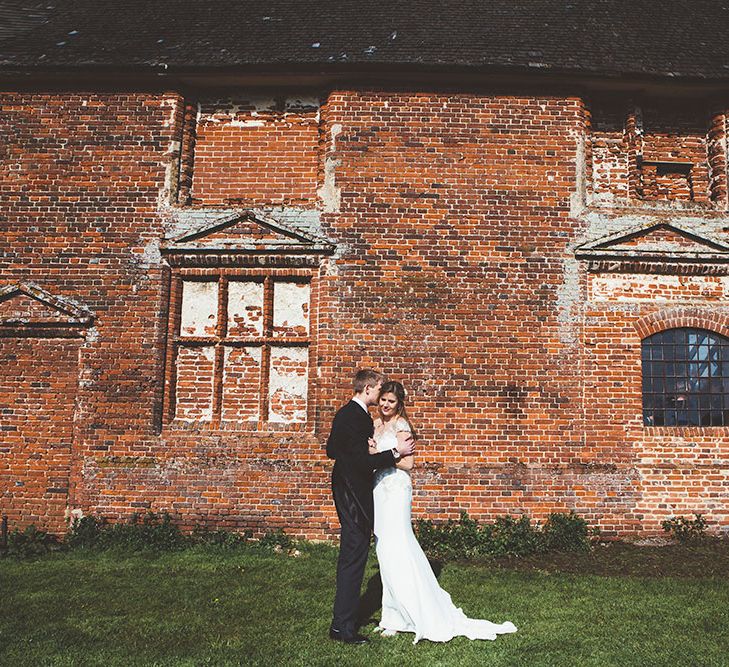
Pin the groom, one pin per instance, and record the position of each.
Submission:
(352, 490)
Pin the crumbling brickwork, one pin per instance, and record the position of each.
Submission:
(206, 385)
(657, 151)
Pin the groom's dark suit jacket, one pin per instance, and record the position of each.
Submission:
(354, 465)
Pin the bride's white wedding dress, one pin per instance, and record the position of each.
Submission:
(412, 600)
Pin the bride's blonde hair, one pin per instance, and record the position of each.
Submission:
(396, 388)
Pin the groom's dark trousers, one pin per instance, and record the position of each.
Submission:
(352, 490)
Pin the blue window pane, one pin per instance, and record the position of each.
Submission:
(685, 378)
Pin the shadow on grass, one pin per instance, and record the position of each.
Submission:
(371, 599)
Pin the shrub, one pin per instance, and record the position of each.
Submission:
(31, 542)
(566, 532)
(158, 532)
(276, 540)
(85, 532)
(450, 540)
(151, 531)
(515, 537)
(465, 538)
(685, 529)
(453, 539)
(506, 536)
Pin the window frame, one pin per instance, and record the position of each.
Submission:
(223, 276)
(686, 378)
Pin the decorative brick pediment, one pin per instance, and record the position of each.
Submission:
(668, 243)
(662, 240)
(241, 238)
(27, 306)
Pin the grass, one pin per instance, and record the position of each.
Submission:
(249, 606)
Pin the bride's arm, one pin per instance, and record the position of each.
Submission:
(406, 462)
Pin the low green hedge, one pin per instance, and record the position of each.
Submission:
(506, 536)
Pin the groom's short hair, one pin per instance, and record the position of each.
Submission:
(366, 377)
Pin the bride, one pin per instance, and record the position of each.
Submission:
(412, 600)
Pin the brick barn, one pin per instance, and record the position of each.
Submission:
(213, 213)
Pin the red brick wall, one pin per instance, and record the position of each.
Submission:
(455, 211)
(38, 379)
(82, 178)
(667, 471)
(454, 219)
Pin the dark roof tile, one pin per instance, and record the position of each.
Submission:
(671, 38)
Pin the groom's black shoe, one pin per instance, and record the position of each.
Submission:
(347, 639)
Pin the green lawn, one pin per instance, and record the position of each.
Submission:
(205, 606)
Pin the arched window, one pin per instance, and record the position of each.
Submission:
(685, 378)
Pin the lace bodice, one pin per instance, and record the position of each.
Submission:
(386, 438)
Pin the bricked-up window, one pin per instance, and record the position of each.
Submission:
(685, 378)
(651, 153)
(242, 349)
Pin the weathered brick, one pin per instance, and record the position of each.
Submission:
(455, 222)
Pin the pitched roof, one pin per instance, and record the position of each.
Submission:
(682, 39)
